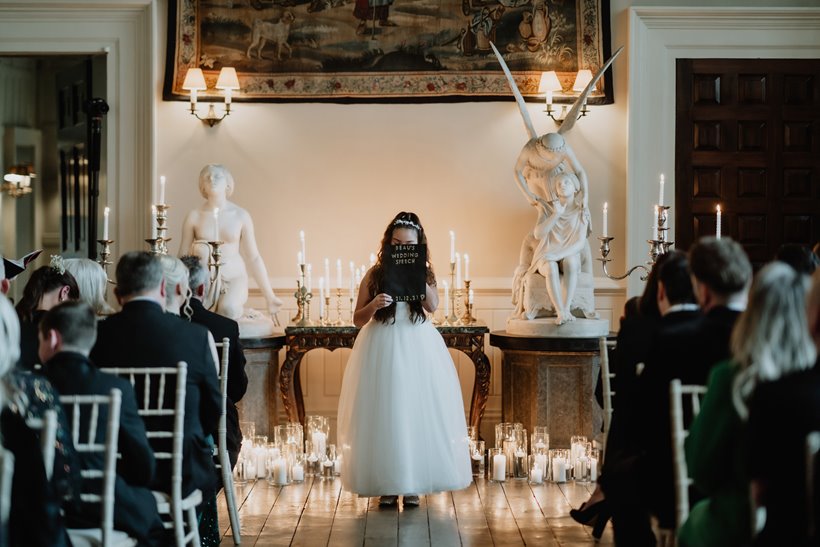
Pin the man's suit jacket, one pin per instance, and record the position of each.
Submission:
(135, 509)
(224, 327)
(142, 335)
(687, 346)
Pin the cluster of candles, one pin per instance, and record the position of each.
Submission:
(291, 457)
(457, 281)
(510, 458)
(655, 215)
(356, 273)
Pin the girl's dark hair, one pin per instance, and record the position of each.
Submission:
(388, 314)
(44, 279)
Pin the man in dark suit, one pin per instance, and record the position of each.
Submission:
(143, 335)
(220, 327)
(67, 334)
(686, 347)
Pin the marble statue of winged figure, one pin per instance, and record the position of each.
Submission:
(554, 182)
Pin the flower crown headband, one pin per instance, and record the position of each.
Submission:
(402, 222)
(57, 264)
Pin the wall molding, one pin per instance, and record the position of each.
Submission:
(658, 36)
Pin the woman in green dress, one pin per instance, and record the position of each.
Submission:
(769, 341)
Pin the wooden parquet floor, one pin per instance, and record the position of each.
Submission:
(319, 513)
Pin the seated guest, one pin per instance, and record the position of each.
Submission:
(629, 483)
(799, 257)
(143, 335)
(220, 327)
(770, 340)
(47, 287)
(34, 518)
(784, 411)
(638, 325)
(67, 334)
(92, 283)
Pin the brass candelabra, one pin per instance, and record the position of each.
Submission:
(657, 247)
(452, 319)
(214, 259)
(155, 245)
(162, 217)
(467, 317)
(303, 297)
(339, 321)
(105, 254)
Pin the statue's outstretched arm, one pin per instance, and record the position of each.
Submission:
(256, 266)
(521, 181)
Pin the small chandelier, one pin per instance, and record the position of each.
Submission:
(17, 182)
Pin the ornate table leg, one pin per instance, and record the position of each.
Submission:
(481, 386)
(289, 383)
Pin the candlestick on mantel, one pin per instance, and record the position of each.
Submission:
(216, 223)
(106, 212)
(717, 223)
(660, 195)
(339, 274)
(302, 244)
(162, 190)
(452, 246)
(309, 277)
(300, 259)
(466, 267)
(605, 226)
(327, 274)
(153, 222)
(458, 272)
(655, 223)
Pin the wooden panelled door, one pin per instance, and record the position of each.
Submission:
(748, 138)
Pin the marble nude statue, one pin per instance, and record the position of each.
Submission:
(240, 255)
(556, 252)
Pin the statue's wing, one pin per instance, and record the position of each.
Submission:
(572, 115)
(521, 104)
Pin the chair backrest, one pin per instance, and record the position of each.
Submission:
(812, 450)
(84, 411)
(6, 477)
(150, 385)
(677, 392)
(607, 375)
(222, 430)
(47, 426)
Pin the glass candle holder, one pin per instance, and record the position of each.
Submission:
(278, 469)
(317, 433)
(537, 469)
(520, 464)
(248, 430)
(260, 451)
(312, 460)
(472, 434)
(559, 464)
(539, 441)
(477, 458)
(497, 462)
(594, 456)
(240, 476)
(297, 469)
(327, 470)
(577, 447)
(337, 465)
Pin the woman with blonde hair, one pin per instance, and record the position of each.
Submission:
(770, 340)
(177, 291)
(91, 280)
(784, 412)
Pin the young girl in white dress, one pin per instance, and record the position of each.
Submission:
(401, 423)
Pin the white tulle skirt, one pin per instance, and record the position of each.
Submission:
(401, 424)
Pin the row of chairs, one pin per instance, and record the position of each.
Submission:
(179, 511)
(682, 395)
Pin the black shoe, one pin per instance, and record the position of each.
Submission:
(595, 515)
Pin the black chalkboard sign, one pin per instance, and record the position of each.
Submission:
(405, 272)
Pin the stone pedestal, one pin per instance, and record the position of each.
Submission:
(259, 405)
(551, 382)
